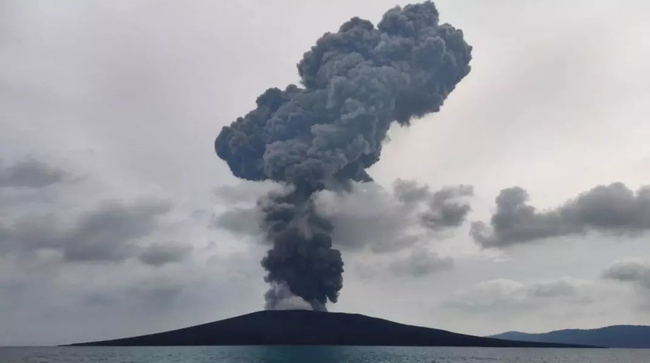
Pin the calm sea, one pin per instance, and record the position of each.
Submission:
(317, 355)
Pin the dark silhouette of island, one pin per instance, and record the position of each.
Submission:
(618, 336)
(299, 327)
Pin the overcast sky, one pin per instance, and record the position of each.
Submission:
(112, 199)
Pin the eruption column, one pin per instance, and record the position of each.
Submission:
(355, 83)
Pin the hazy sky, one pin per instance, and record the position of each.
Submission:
(112, 198)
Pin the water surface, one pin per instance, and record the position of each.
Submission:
(320, 354)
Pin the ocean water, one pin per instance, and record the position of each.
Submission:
(318, 354)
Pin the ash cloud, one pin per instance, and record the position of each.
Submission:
(355, 83)
(612, 209)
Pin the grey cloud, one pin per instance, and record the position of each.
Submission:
(89, 230)
(631, 271)
(158, 292)
(408, 191)
(612, 209)
(245, 192)
(420, 263)
(239, 211)
(445, 209)
(558, 288)
(240, 221)
(99, 299)
(488, 295)
(105, 233)
(31, 173)
(368, 216)
(159, 254)
(503, 294)
(148, 293)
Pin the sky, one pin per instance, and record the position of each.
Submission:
(118, 219)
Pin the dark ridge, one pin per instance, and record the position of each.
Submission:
(299, 327)
(618, 336)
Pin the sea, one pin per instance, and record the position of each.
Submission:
(317, 354)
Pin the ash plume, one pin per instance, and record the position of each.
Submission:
(325, 134)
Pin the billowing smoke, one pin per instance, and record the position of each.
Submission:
(280, 297)
(302, 254)
(325, 134)
(611, 209)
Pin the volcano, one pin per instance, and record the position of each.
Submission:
(302, 327)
